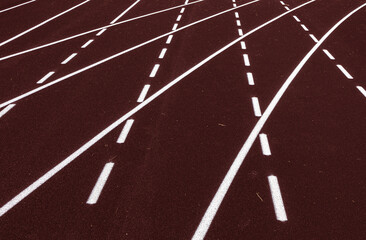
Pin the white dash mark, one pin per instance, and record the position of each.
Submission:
(175, 26)
(143, 93)
(169, 39)
(162, 53)
(236, 14)
(344, 71)
(287, 8)
(6, 109)
(304, 27)
(186, 2)
(234, 5)
(282, 3)
(264, 144)
(234, 1)
(240, 31)
(314, 38)
(126, 129)
(243, 46)
(93, 198)
(246, 59)
(362, 90)
(179, 18)
(45, 77)
(256, 107)
(87, 43)
(182, 10)
(69, 58)
(277, 199)
(154, 70)
(238, 23)
(250, 78)
(296, 18)
(328, 54)
(101, 32)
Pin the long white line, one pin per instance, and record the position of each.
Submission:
(127, 10)
(143, 93)
(7, 9)
(93, 30)
(97, 190)
(126, 129)
(39, 182)
(115, 56)
(277, 199)
(234, 168)
(344, 71)
(362, 90)
(42, 23)
(6, 109)
(264, 144)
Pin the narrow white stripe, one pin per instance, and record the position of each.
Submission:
(162, 53)
(264, 144)
(250, 78)
(282, 3)
(362, 90)
(97, 190)
(330, 56)
(240, 31)
(277, 199)
(87, 43)
(179, 18)
(314, 38)
(143, 93)
(243, 46)
(154, 70)
(287, 8)
(238, 23)
(236, 14)
(101, 32)
(234, 5)
(124, 12)
(296, 18)
(45, 77)
(6, 109)
(175, 26)
(344, 71)
(169, 39)
(182, 10)
(304, 27)
(16, 6)
(246, 59)
(256, 107)
(126, 129)
(69, 58)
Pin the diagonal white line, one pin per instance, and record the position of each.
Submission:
(126, 11)
(16, 6)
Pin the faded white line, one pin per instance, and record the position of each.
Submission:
(264, 144)
(162, 53)
(250, 78)
(126, 129)
(124, 12)
(362, 90)
(97, 190)
(296, 18)
(6, 109)
(69, 58)
(344, 71)
(16, 6)
(243, 46)
(256, 107)
(304, 27)
(45, 77)
(143, 93)
(314, 38)
(277, 199)
(330, 56)
(154, 70)
(246, 59)
(101, 32)
(87, 43)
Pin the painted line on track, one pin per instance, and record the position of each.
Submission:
(6, 109)
(16, 6)
(250, 78)
(87, 43)
(265, 144)
(126, 129)
(330, 56)
(124, 12)
(362, 90)
(48, 75)
(143, 93)
(97, 190)
(277, 200)
(344, 71)
(256, 107)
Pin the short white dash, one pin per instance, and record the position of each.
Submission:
(45, 77)
(236, 14)
(344, 71)
(234, 1)
(256, 107)
(243, 45)
(287, 8)
(328, 54)
(264, 144)
(162, 53)
(179, 18)
(314, 38)
(175, 26)
(234, 5)
(246, 59)
(169, 39)
(6, 109)
(304, 27)
(238, 23)
(143, 93)
(87, 43)
(182, 10)
(362, 90)
(296, 18)
(126, 129)
(93, 198)
(101, 32)
(277, 199)
(154, 70)
(282, 3)
(250, 78)
(240, 31)
(69, 58)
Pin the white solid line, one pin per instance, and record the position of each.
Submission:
(314, 38)
(182, 10)
(296, 18)
(97, 190)
(234, 5)
(7, 9)
(277, 199)
(246, 59)
(124, 12)
(282, 3)
(250, 78)
(287, 8)
(143, 93)
(240, 31)
(330, 56)
(264, 144)
(162, 53)
(101, 32)
(201, 231)
(344, 71)
(179, 18)
(175, 26)
(45, 77)
(234, 168)
(154, 70)
(87, 43)
(126, 129)
(238, 23)
(6, 109)
(236, 14)
(69, 58)
(256, 107)
(41, 24)
(243, 46)
(169, 39)
(362, 90)
(304, 27)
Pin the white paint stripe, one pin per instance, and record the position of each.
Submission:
(277, 199)
(91, 31)
(296, 18)
(87, 43)
(175, 26)
(41, 24)
(287, 8)
(256, 107)
(243, 46)
(154, 70)
(246, 59)
(362, 90)
(162, 53)
(282, 3)
(143, 93)
(201, 231)
(97, 190)
(179, 18)
(264, 144)
(126, 129)
(236, 14)
(344, 71)
(6, 109)
(169, 39)
(250, 78)
(240, 31)
(234, 5)
(124, 12)
(234, 168)
(314, 38)
(304, 27)
(45, 77)
(182, 10)
(238, 23)
(16, 6)
(101, 32)
(330, 56)
(69, 58)
(186, 2)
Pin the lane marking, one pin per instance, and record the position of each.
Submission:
(126, 129)
(154, 70)
(246, 60)
(234, 168)
(124, 12)
(41, 24)
(250, 78)
(240, 31)
(87, 43)
(69, 58)
(175, 26)
(162, 53)
(344, 71)
(16, 6)
(101, 32)
(6, 109)
(296, 18)
(186, 2)
(238, 23)
(330, 56)
(282, 3)
(179, 18)
(236, 14)
(97, 190)
(314, 38)
(287, 8)
(169, 39)
(234, 5)
(277, 198)
(256, 107)
(182, 10)
(45, 77)
(143, 93)
(304, 27)
(243, 45)
(264, 144)
(210, 213)
(362, 90)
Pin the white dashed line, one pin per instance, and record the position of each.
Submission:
(154, 70)
(243, 46)
(277, 199)
(314, 38)
(296, 18)
(362, 90)
(288, 9)
(101, 32)
(126, 129)
(175, 26)
(45, 77)
(250, 78)
(69, 58)
(238, 23)
(186, 2)
(182, 10)
(234, 5)
(19, 5)
(256, 107)
(264, 144)
(304, 27)
(97, 190)
(162, 53)
(179, 18)
(6, 109)
(330, 56)
(246, 59)
(282, 3)
(236, 14)
(240, 31)
(143, 93)
(87, 43)
(169, 39)
(344, 71)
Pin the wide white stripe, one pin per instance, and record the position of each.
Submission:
(154, 70)
(277, 198)
(162, 53)
(256, 107)
(250, 78)
(97, 190)
(143, 93)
